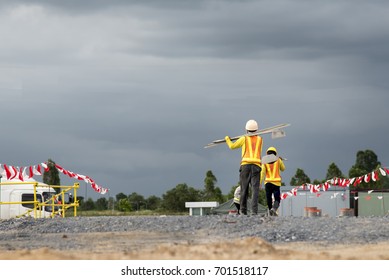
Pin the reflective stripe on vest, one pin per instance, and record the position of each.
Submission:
(253, 148)
(273, 172)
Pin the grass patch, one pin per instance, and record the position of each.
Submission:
(93, 213)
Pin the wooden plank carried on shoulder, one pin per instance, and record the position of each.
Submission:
(272, 129)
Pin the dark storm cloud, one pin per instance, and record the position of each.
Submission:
(129, 92)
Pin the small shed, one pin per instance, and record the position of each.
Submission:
(372, 203)
(330, 203)
(201, 208)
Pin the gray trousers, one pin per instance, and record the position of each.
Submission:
(249, 175)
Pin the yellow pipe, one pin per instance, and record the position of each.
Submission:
(35, 201)
(38, 205)
(75, 201)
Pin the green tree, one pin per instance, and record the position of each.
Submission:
(366, 162)
(101, 204)
(153, 202)
(174, 199)
(111, 203)
(211, 192)
(218, 195)
(88, 205)
(262, 197)
(333, 172)
(124, 205)
(137, 201)
(51, 177)
(120, 196)
(299, 178)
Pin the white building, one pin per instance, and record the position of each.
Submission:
(330, 202)
(200, 208)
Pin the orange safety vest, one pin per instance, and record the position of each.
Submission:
(252, 151)
(273, 172)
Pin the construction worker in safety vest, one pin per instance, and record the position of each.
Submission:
(250, 165)
(271, 175)
(237, 199)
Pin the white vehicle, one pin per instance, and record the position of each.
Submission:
(27, 198)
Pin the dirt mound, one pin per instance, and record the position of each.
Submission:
(148, 246)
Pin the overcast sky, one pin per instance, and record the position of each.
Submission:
(129, 92)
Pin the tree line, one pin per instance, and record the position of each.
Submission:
(174, 199)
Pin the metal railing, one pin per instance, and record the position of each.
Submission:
(57, 202)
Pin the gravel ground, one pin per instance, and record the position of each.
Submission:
(275, 230)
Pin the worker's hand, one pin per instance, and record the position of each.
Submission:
(227, 138)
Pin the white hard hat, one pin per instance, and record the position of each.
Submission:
(251, 125)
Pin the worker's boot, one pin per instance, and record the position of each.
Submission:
(273, 211)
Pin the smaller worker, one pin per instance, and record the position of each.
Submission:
(237, 199)
(271, 174)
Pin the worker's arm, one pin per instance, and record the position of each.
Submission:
(234, 145)
(263, 174)
(282, 165)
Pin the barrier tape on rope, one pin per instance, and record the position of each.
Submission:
(340, 182)
(23, 173)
